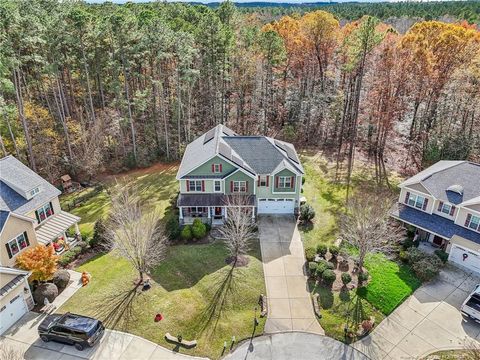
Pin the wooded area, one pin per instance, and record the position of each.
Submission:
(86, 88)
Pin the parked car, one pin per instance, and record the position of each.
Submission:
(77, 330)
(471, 306)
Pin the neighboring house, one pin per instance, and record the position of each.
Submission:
(30, 212)
(443, 203)
(15, 296)
(219, 163)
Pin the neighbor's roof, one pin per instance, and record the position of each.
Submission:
(254, 154)
(433, 223)
(14, 172)
(439, 179)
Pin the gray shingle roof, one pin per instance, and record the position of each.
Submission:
(3, 218)
(433, 223)
(12, 169)
(255, 154)
(208, 200)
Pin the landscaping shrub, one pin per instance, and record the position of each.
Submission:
(172, 228)
(83, 245)
(442, 255)
(61, 278)
(363, 276)
(330, 265)
(199, 230)
(414, 255)
(99, 234)
(186, 232)
(45, 290)
(321, 267)
(346, 278)
(312, 268)
(334, 250)
(303, 180)
(310, 253)
(427, 268)
(407, 243)
(322, 250)
(329, 276)
(307, 213)
(403, 256)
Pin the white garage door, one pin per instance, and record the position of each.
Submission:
(11, 312)
(464, 257)
(276, 206)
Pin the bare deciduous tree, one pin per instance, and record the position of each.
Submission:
(10, 353)
(366, 224)
(239, 228)
(132, 234)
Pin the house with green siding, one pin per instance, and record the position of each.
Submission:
(265, 174)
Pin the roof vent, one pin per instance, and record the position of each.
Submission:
(456, 188)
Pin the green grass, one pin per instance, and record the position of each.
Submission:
(156, 186)
(338, 309)
(391, 283)
(195, 291)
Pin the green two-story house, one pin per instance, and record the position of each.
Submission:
(266, 172)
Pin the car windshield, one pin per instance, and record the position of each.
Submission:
(474, 302)
(79, 323)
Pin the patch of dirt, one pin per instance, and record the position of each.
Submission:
(157, 167)
(343, 265)
(241, 261)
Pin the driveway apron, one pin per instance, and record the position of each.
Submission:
(289, 302)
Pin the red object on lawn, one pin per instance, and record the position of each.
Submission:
(158, 317)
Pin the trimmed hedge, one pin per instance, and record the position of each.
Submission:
(310, 253)
(322, 249)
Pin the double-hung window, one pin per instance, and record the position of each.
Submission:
(44, 212)
(263, 180)
(285, 182)
(217, 185)
(239, 186)
(217, 168)
(17, 244)
(473, 222)
(416, 201)
(195, 185)
(446, 208)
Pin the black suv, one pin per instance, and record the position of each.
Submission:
(72, 329)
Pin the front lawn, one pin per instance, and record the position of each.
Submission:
(391, 283)
(195, 291)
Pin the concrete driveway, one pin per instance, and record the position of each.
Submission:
(289, 303)
(428, 321)
(295, 345)
(23, 339)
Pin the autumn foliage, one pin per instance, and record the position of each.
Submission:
(40, 260)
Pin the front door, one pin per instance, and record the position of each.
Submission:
(218, 212)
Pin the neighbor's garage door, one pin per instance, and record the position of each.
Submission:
(11, 312)
(276, 206)
(465, 257)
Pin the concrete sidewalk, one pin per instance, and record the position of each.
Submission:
(428, 321)
(289, 303)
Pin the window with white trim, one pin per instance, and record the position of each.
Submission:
(34, 192)
(263, 180)
(217, 168)
(17, 244)
(44, 212)
(416, 200)
(217, 185)
(284, 181)
(446, 208)
(239, 186)
(195, 185)
(474, 223)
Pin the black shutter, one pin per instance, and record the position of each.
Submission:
(452, 210)
(425, 203)
(26, 238)
(407, 196)
(8, 251)
(37, 216)
(51, 207)
(440, 206)
(467, 220)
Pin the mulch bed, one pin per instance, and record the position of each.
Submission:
(82, 259)
(340, 268)
(241, 261)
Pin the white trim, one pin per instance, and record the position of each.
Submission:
(239, 169)
(178, 177)
(213, 185)
(20, 250)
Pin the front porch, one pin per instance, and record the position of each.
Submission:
(60, 230)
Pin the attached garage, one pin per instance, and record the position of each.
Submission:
(276, 206)
(15, 297)
(465, 257)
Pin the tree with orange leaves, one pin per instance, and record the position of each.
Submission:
(40, 260)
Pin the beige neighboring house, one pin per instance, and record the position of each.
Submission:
(15, 296)
(30, 213)
(443, 203)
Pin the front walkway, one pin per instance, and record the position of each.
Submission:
(428, 321)
(295, 345)
(23, 339)
(289, 303)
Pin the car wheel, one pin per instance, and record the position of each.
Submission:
(44, 338)
(78, 346)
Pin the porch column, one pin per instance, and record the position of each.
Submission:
(77, 230)
(253, 212)
(181, 213)
(225, 212)
(209, 212)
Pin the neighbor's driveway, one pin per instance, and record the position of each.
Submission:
(428, 321)
(289, 303)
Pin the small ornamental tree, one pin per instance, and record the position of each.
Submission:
(40, 260)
